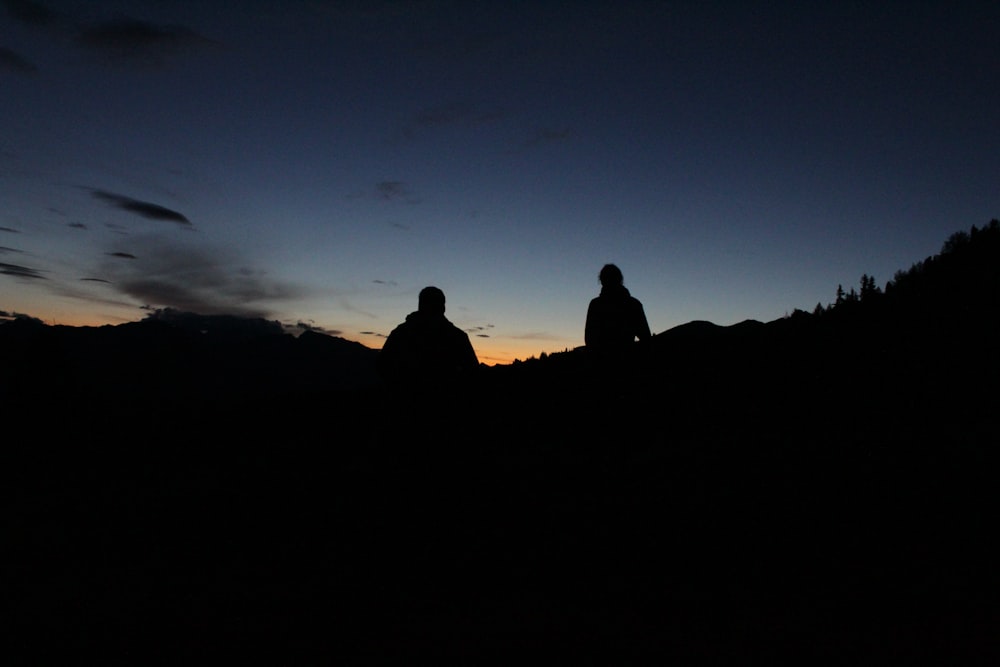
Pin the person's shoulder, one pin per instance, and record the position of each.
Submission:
(402, 328)
(457, 331)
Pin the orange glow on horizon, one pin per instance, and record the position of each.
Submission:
(490, 352)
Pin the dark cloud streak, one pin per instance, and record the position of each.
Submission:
(193, 280)
(454, 114)
(29, 13)
(544, 137)
(391, 190)
(9, 60)
(302, 327)
(451, 115)
(131, 39)
(20, 271)
(145, 209)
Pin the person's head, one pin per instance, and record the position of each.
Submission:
(611, 275)
(431, 300)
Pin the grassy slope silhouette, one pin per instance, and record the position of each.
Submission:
(819, 487)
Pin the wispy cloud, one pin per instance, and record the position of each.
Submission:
(143, 208)
(131, 39)
(536, 336)
(124, 39)
(546, 136)
(11, 61)
(20, 271)
(301, 327)
(391, 190)
(192, 279)
(12, 315)
(480, 331)
(456, 113)
(453, 114)
(29, 13)
(387, 191)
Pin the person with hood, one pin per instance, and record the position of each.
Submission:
(615, 318)
(427, 351)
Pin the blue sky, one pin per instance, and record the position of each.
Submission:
(318, 163)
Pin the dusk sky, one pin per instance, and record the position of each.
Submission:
(318, 163)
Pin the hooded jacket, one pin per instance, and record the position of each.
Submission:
(426, 350)
(615, 319)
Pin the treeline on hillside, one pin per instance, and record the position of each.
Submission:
(927, 337)
(965, 275)
(945, 303)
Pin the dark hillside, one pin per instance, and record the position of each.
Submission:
(184, 360)
(926, 345)
(821, 488)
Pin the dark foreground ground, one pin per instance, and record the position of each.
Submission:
(344, 529)
(820, 489)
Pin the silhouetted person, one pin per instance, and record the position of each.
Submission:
(427, 352)
(615, 318)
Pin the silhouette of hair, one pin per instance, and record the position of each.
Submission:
(431, 300)
(611, 275)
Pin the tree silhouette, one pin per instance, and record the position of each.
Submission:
(869, 290)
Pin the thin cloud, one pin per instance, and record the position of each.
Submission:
(5, 249)
(10, 230)
(143, 208)
(546, 136)
(29, 13)
(390, 190)
(11, 315)
(302, 327)
(533, 336)
(457, 47)
(196, 280)
(454, 114)
(480, 331)
(11, 61)
(95, 280)
(122, 255)
(394, 191)
(131, 39)
(20, 271)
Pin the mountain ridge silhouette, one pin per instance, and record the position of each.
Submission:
(818, 488)
(935, 303)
